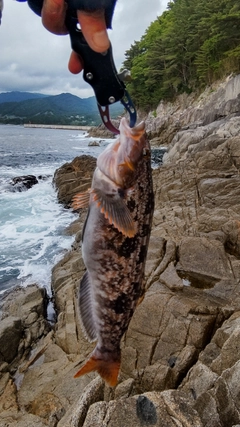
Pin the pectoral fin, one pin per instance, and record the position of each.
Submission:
(81, 200)
(116, 212)
(86, 308)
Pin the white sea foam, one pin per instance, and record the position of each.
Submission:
(32, 235)
(32, 222)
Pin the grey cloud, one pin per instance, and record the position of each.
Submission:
(32, 59)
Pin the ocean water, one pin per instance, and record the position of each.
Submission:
(32, 222)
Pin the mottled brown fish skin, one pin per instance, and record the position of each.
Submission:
(115, 268)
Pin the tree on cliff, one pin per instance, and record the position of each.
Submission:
(189, 46)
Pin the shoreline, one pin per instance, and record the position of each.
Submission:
(66, 127)
(180, 353)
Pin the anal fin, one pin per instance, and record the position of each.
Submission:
(86, 308)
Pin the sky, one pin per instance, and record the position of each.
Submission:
(34, 60)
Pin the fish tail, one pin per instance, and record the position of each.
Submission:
(108, 368)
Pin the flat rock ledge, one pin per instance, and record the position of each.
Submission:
(181, 353)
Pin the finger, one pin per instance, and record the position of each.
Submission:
(93, 26)
(75, 65)
(53, 16)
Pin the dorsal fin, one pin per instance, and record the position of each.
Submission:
(86, 308)
(115, 211)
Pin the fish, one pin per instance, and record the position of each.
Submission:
(1, 9)
(115, 240)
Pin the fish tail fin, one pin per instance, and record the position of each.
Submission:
(107, 369)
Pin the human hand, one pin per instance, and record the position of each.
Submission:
(93, 26)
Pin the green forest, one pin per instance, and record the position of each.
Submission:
(191, 45)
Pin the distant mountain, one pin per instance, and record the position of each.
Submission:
(65, 109)
(19, 96)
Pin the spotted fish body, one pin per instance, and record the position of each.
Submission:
(115, 241)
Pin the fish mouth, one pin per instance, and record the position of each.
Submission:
(119, 161)
(135, 132)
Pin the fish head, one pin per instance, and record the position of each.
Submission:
(119, 160)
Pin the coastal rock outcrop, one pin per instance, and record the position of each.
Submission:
(219, 101)
(74, 177)
(180, 355)
(23, 183)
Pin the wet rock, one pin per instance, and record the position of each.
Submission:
(23, 183)
(74, 177)
(94, 144)
(43, 177)
(157, 156)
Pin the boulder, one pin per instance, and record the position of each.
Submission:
(23, 183)
(101, 131)
(10, 336)
(73, 178)
(94, 144)
(23, 321)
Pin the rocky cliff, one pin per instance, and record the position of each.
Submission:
(181, 352)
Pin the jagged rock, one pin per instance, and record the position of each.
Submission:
(166, 334)
(212, 385)
(74, 177)
(18, 419)
(94, 392)
(157, 155)
(192, 112)
(199, 194)
(170, 278)
(23, 313)
(94, 144)
(9, 398)
(48, 387)
(23, 183)
(203, 262)
(10, 336)
(148, 409)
